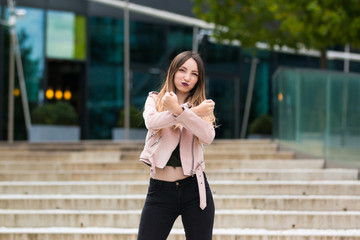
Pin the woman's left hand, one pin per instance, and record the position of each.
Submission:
(170, 103)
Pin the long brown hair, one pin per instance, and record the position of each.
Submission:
(197, 94)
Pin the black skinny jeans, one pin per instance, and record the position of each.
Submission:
(165, 201)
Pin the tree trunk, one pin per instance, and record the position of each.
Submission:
(323, 59)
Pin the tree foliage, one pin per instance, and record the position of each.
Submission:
(313, 24)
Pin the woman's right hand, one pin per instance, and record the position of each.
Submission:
(205, 109)
(170, 103)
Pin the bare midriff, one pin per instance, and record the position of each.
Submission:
(169, 174)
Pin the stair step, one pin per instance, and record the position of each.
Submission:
(100, 156)
(176, 234)
(104, 143)
(135, 202)
(124, 145)
(350, 188)
(96, 189)
(237, 147)
(229, 155)
(268, 219)
(137, 175)
(71, 146)
(50, 156)
(134, 149)
(240, 141)
(131, 165)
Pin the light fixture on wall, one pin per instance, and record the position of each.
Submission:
(16, 92)
(280, 97)
(58, 94)
(67, 95)
(49, 93)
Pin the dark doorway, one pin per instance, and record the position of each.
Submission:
(67, 77)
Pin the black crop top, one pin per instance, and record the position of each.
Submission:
(174, 159)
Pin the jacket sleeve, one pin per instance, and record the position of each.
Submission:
(198, 126)
(155, 120)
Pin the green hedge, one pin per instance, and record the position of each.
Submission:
(59, 113)
(262, 125)
(136, 118)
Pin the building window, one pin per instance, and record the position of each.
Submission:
(30, 32)
(66, 36)
(105, 82)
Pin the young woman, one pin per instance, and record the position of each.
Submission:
(179, 121)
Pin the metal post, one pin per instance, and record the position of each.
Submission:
(11, 88)
(195, 39)
(1, 76)
(346, 59)
(344, 98)
(15, 55)
(327, 142)
(237, 107)
(298, 108)
(254, 62)
(22, 84)
(127, 70)
(345, 93)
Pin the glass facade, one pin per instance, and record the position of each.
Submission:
(154, 44)
(30, 32)
(106, 76)
(3, 94)
(152, 47)
(159, 45)
(83, 53)
(223, 86)
(228, 68)
(317, 113)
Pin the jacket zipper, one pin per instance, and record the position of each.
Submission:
(153, 134)
(156, 142)
(193, 161)
(180, 135)
(147, 162)
(180, 143)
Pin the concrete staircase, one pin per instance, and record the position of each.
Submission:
(96, 190)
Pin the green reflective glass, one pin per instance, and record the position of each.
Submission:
(148, 43)
(225, 92)
(317, 112)
(142, 84)
(65, 35)
(157, 44)
(30, 32)
(152, 48)
(106, 74)
(107, 40)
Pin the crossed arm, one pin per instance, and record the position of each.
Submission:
(192, 118)
(170, 103)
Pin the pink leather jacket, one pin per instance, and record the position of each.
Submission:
(192, 134)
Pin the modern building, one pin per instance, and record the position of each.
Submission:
(73, 50)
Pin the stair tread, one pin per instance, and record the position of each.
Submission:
(217, 231)
(225, 182)
(145, 171)
(142, 196)
(217, 212)
(315, 202)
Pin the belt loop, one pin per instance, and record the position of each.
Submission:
(201, 185)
